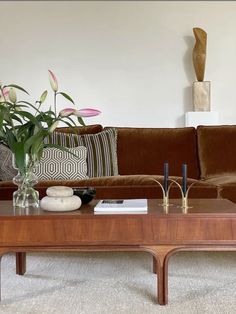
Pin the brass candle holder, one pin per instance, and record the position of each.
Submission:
(184, 196)
(165, 194)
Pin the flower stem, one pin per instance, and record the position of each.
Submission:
(55, 103)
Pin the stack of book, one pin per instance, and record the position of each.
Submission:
(122, 206)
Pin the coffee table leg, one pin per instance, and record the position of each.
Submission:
(162, 279)
(20, 263)
(1, 254)
(160, 267)
(0, 278)
(163, 283)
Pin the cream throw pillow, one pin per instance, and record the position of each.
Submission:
(61, 165)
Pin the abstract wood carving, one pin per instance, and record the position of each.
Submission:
(199, 53)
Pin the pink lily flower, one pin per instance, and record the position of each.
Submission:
(88, 112)
(53, 81)
(67, 112)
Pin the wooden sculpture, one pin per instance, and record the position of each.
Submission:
(199, 53)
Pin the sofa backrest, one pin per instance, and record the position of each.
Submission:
(144, 150)
(217, 150)
(88, 129)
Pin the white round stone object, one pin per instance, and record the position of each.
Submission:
(59, 191)
(60, 204)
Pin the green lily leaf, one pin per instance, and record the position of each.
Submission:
(29, 116)
(23, 130)
(81, 121)
(29, 104)
(71, 120)
(34, 138)
(10, 137)
(67, 97)
(67, 123)
(18, 107)
(37, 148)
(3, 112)
(14, 117)
(40, 152)
(2, 135)
(1, 119)
(7, 104)
(19, 152)
(18, 87)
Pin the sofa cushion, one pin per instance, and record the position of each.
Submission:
(222, 180)
(216, 149)
(228, 191)
(131, 186)
(101, 150)
(144, 151)
(62, 165)
(7, 172)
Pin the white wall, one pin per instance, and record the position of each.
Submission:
(130, 59)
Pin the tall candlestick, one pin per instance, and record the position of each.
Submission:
(166, 175)
(184, 180)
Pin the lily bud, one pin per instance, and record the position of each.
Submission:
(43, 96)
(12, 95)
(88, 112)
(53, 81)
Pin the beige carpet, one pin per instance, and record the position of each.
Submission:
(88, 283)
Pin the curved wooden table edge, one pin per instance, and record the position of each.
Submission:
(161, 255)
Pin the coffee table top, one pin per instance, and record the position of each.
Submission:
(197, 207)
(208, 221)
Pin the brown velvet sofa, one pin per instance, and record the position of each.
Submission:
(209, 152)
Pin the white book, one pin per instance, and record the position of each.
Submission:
(123, 206)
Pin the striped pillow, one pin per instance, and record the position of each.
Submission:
(101, 150)
(56, 164)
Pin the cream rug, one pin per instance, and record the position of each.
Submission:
(87, 283)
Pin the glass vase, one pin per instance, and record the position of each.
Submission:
(25, 196)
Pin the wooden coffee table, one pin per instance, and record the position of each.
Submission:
(209, 225)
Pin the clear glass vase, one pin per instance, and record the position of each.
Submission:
(25, 196)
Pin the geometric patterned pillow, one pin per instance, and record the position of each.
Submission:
(7, 172)
(60, 165)
(101, 150)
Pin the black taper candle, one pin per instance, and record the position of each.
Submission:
(166, 175)
(184, 180)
